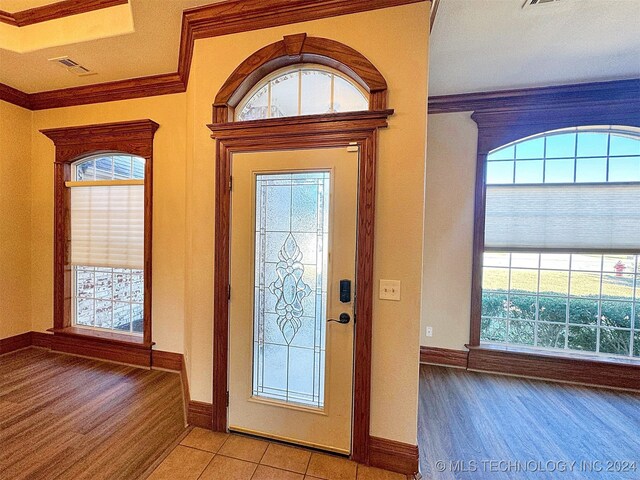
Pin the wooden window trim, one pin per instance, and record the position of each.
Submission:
(502, 120)
(72, 144)
(293, 50)
(307, 131)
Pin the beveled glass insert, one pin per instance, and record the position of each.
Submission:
(290, 286)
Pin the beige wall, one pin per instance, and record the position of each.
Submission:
(15, 214)
(396, 41)
(451, 161)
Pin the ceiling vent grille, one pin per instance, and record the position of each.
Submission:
(72, 66)
(536, 3)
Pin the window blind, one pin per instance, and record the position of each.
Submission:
(547, 216)
(107, 226)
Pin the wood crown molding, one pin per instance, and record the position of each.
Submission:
(295, 49)
(540, 98)
(444, 356)
(14, 96)
(53, 11)
(133, 137)
(224, 18)
(434, 11)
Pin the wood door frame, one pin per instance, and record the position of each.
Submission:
(307, 132)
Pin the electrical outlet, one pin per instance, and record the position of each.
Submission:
(390, 290)
(429, 331)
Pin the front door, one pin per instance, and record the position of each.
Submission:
(293, 239)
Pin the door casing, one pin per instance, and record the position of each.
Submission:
(315, 131)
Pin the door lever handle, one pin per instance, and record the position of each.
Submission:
(344, 318)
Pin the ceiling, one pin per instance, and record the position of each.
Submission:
(151, 49)
(13, 6)
(496, 44)
(476, 45)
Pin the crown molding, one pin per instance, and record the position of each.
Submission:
(596, 93)
(164, 84)
(434, 11)
(224, 18)
(53, 11)
(12, 95)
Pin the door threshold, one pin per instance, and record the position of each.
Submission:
(290, 441)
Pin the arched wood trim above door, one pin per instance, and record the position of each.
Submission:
(295, 49)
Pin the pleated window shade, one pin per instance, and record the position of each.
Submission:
(107, 226)
(576, 216)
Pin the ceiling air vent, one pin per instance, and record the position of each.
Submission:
(535, 3)
(72, 66)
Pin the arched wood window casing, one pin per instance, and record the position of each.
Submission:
(293, 50)
(73, 144)
(354, 128)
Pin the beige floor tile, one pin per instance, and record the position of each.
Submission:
(331, 468)
(226, 468)
(286, 458)
(182, 463)
(244, 448)
(269, 473)
(205, 439)
(370, 473)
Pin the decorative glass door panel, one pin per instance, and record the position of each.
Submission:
(291, 260)
(293, 231)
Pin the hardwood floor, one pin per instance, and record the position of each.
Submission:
(65, 417)
(477, 426)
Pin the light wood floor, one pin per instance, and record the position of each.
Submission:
(65, 417)
(468, 417)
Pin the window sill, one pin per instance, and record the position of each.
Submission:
(572, 368)
(105, 337)
(560, 354)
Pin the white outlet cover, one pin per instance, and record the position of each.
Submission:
(390, 290)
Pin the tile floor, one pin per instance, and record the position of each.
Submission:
(206, 455)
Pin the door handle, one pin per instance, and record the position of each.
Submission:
(344, 318)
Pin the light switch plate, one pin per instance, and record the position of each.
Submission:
(390, 290)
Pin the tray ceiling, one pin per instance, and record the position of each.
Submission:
(152, 48)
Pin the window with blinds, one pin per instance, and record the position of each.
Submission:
(562, 242)
(107, 243)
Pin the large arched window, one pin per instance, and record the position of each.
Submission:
(561, 264)
(302, 90)
(107, 243)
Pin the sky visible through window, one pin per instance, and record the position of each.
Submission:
(567, 156)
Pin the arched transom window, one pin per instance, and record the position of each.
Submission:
(302, 90)
(107, 243)
(562, 242)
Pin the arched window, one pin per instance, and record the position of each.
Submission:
(562, 242)
(107, 242)
(569, 155)
(302, 90)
